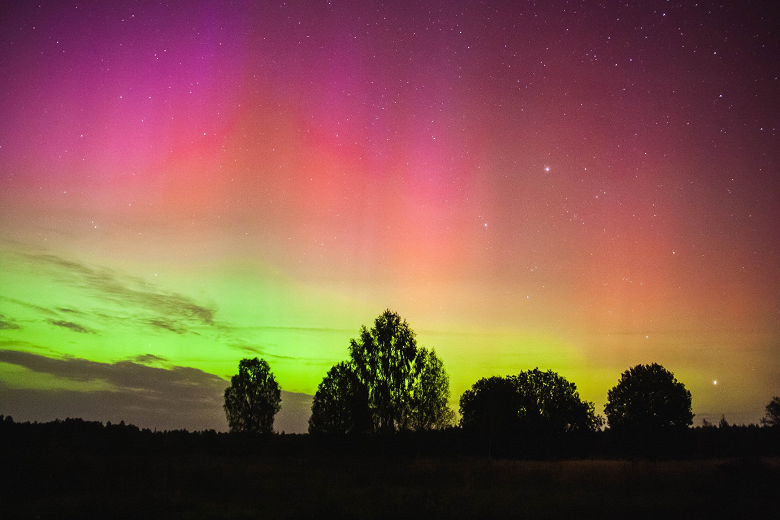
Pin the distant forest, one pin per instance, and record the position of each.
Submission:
(79, 436)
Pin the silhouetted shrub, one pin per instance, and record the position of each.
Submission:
(253, 398)
(648, 398)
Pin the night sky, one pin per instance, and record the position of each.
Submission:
(576, 186)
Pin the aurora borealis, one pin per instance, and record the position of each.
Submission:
(578, 186)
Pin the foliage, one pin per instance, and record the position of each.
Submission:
(490, 406)
(340, 405)
(533, 401)
(385, 359)
(648, 398)
(548, 402)
(253, 398)
(772, 416)
(406, 386)
(430, 393)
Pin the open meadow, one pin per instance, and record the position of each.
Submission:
(78, 485)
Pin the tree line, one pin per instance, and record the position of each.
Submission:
(390, 384)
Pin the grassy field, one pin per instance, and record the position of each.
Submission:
(73, 485)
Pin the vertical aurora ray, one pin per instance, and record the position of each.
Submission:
(576, 190)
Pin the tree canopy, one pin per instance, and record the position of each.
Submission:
(490, 406)
(430, 393)
(406, 386)
(532, 401)
(384, 357)
(551, 403)
(648, 398)
(772, 415)
(340, 405)
(253, 398)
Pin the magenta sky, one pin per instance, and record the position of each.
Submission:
(573, 185)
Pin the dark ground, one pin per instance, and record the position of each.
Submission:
(205, 486)
(83, 470)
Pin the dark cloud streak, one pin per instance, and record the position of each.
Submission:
(121, 374)
(164, 398)
(121, 288)
(38, 308)
(147, 359)
(6, 324)
(75, 327)
(167, 325)
(160, 309)
(175, 397)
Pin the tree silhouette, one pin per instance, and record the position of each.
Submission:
(772, 415)
(550, 403)
(532, 401)
(648, 398)
(430, 393)
(407, 386)
(385, 360)
(253, 398)
(340, 405)
(490, 407)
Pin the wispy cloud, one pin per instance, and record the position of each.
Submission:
(263, 353)
(128, 297)
(38, 308)
(167, 325)
(121, 288)
(75, 327)
(6, 324)
(354, 331)
(22, 344)
(249, 348)
(149, 359)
